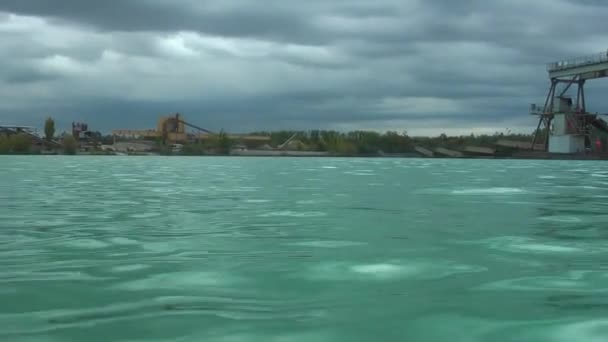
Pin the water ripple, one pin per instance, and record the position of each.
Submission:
(302, 249)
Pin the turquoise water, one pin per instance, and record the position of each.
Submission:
(255, 249)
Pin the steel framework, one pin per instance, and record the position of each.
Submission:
(575, 71)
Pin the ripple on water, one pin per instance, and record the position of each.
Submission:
(385, 270)
(85, 243)
(121, 202)
(588, 331)
(544, 248)
(238, 307)
(253, 337)
(457, 328)
(489, 191)
(290, 213)
(561, 218)
(162, 247)
(527, 245)
(306, 269)
(129, 268)
(312, 201)
(15, 277)
(50, 223)
(422, 270)
(145, 215)
(179, 281)
(327, 244)
(575, 281)
(359, 173)
(123, 241)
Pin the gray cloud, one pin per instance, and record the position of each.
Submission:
(426, 66)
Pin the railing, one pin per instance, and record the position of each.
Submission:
(536, 109)
(578, 61)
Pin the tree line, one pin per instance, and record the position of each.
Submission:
(371, 142)
(23, 143)
(357, 142)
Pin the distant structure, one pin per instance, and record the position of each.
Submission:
(78, 128)
(565, 123)
(39, 142)
(16, 129)
(171, 129)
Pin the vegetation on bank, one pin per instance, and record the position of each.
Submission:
(70, 145)
(350, 143)
(49, 129)
(391, 142)
(15, 144)
(220, 144)
(333, 142)
(23, 144)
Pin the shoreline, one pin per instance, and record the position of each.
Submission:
(298, 154)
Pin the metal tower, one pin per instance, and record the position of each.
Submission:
(565, 121)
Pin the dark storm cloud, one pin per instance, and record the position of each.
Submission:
(296, 21)
(248, 19)
(245, 64)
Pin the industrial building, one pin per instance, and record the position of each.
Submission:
(38, 143)
(172, 126)
(567, 126)
(172, 130)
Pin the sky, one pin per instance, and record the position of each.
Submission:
(422, 66)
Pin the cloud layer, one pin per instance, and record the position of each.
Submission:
(422, 66)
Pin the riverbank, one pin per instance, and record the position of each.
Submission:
(522, 155)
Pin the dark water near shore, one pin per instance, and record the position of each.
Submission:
(256, 249)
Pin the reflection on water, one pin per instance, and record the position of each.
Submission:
(302, 249)
(575, 211)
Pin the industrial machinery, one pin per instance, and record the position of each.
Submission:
(564, 121)
(171, 129)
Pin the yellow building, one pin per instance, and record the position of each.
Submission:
(135, 134)
(172, 128)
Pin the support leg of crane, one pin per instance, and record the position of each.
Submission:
(582, 88)
(573, 80)
(547, 109)
(547, 132)
(536, 133)
(548, 101)
(578, 96)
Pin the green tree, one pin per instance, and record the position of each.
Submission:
(346, 147)
(278, 138)
(20, 143)
(5, 144)
(194, 149)
(69, 144)
(224, 143)
(49, 128)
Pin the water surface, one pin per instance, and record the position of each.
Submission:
(302, 249)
